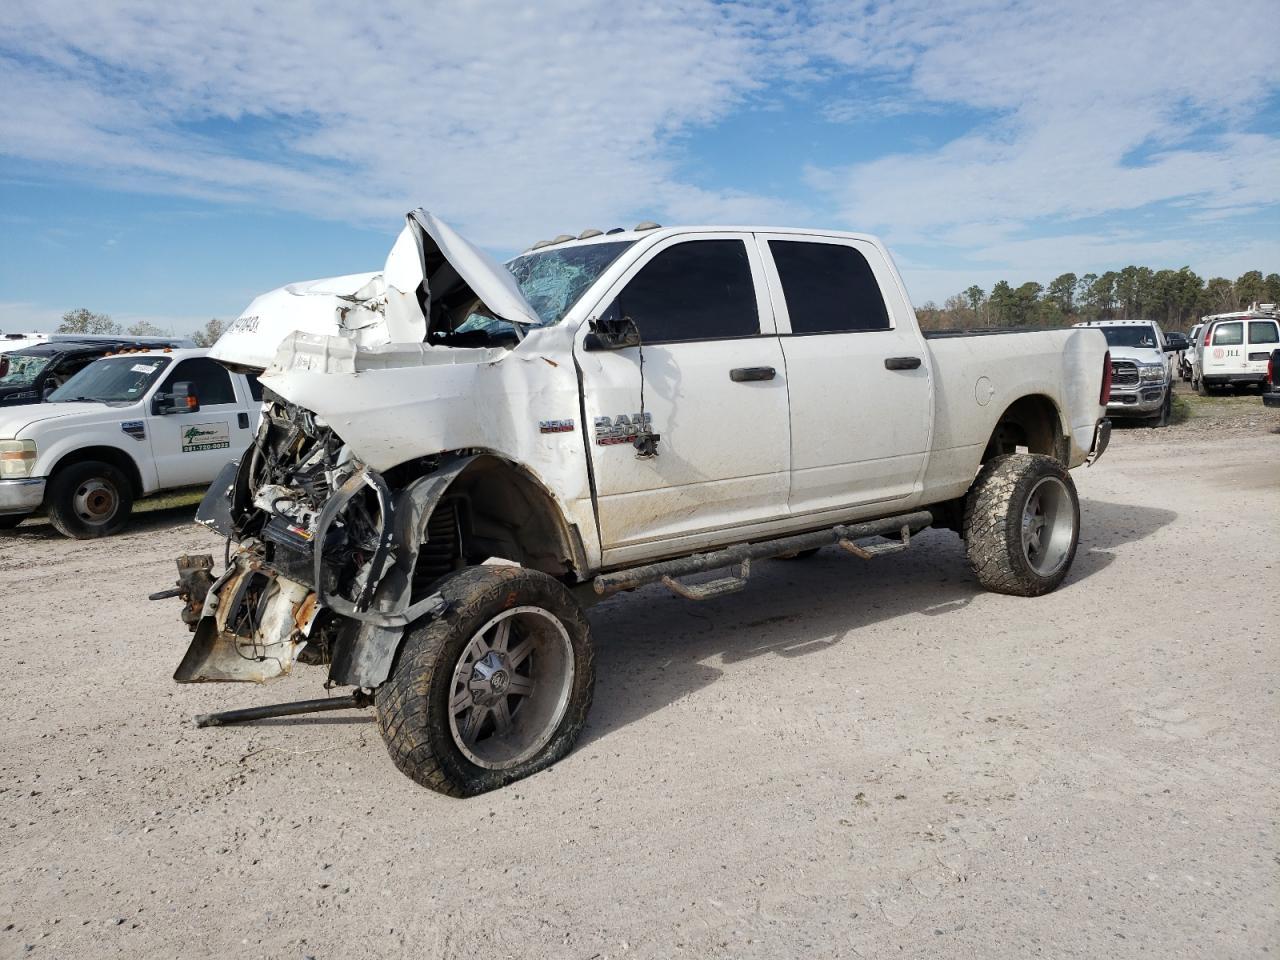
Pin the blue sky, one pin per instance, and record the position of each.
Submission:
(168, 162)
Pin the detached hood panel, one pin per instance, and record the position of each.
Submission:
(429, 259)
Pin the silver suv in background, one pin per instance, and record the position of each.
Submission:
(1141, 369)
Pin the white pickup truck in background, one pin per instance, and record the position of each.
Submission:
(455, 455)
(128, 425)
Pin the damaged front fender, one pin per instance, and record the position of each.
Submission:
(363, 658)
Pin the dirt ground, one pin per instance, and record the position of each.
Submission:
(845, 760)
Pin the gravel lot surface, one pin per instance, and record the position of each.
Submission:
(845, 760)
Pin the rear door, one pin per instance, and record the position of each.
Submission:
(858, 373)
(1224, 349)
(190, 448)
(709, 379)
(1261, 337)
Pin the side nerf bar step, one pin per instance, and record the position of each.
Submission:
(901, 526)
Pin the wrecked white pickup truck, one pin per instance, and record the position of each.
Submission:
(455, 457)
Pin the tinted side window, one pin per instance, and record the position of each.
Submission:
(697, 290)
(1262, 331)
(211, 382)
(255, 386)
(829, 287)
(1228, 334)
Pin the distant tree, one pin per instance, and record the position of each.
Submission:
(82, 320)
(1250, 288)
(976, 298)
(145, 328)
(1219, 296)
(1003, 304)
(1026, 299)
(208, 335)
(1272, 283)
(1175, 295)
(1062, 291)
(1133, 291)
(929, 316)
(1102, 295)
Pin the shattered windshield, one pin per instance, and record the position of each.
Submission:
(1134, 336)
(553, 280)
(23, 370)
(112, 380)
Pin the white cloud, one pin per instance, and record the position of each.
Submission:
(1092, 109)
(507, 118)
(518, 121)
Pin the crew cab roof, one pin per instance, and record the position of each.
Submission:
(631, 236)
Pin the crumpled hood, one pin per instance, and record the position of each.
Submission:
(15, 420)
(374, 309)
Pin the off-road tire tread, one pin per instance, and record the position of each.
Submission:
(992, 524)
(58, 500)
(422, 748)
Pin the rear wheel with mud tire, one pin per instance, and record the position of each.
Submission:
(496, 689)
(89, 499)
(1022, 524)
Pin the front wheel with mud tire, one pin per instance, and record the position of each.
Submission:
(1162, 418)
(1022, 524)
(88, 500)
(496, 689)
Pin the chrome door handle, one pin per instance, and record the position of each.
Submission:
(743, 374)
(901, 363)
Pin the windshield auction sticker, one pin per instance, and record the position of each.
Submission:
(205, 436)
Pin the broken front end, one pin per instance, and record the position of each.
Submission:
(321, 559)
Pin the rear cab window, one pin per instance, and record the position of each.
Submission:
(828, 288)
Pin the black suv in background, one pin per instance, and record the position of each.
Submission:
(32, 373)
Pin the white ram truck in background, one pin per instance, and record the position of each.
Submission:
(455, 456)
(129, 425)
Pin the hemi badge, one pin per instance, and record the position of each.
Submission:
(134, 428)
(555, 426)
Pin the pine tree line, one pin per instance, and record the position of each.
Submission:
(1175, 299)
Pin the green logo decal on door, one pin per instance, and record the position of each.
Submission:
(205, 436)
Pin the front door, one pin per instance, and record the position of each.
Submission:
(709, 379)
(190, 448)
(861, 396)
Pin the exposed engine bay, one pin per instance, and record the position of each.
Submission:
(296, 468)
(312, 536)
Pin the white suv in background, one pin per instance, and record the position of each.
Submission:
(1141, 369)
(1233, 348)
